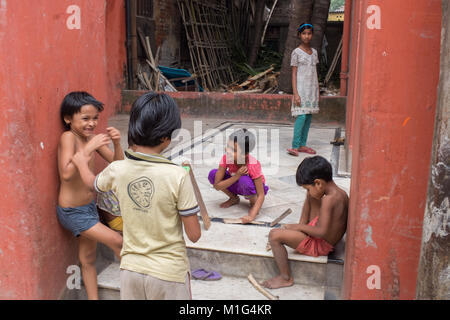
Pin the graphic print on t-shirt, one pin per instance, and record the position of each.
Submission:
(141, 192)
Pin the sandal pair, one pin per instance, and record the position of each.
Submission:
(294, 152)
(306, 150)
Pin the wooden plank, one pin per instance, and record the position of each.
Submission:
(143, 43)
(149, 48)
(248, 91)
(239, 221)
(256, 77)
(275, 222)
(283, 215)
(198, 195)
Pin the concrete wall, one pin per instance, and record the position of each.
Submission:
(43, 58)
(395, 53)
(254, 107)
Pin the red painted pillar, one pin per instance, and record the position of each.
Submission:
(47, 49)
(393, 93)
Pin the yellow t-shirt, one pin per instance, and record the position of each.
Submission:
(153, 193)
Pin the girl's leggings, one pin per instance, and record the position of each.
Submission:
(244, 186)
(301, 129)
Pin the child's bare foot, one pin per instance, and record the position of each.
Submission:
(230, 202)
(278, 282)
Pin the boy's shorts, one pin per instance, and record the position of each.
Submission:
(139, 286)
(314, 246)
(78, 219)
(107, 201)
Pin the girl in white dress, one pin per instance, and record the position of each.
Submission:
(305, 87)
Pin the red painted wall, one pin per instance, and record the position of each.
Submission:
(237, 106)
(42, 60)
(393, 92)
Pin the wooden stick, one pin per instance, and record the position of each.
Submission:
(248, 91)
(334, 62)
(256, 77)
(149, 48)
(141, 79)
(141, 37)
(274, 222)
(283, 215)
(267, 22)
(198, 195)
(147, 80)
(239, 221)
(261, 289)
(157, 81)
(161, 75)
(157, 56)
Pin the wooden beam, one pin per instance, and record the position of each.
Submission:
(198, 195)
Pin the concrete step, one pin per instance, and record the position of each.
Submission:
(227, 288)
(235, 251)
(238, 250)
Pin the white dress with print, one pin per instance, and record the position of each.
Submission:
(307, 83)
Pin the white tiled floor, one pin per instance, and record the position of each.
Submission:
(283, 193)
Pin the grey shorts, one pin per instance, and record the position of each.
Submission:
(78, 219)
(138, 286)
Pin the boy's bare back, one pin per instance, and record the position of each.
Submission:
(333, 212)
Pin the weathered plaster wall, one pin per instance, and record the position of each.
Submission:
(433, 281)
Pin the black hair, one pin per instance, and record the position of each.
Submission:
(153, 116)
(245, 140)
(74, 101)
(313, 168)
(305, 26)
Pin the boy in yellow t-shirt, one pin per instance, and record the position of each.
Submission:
(156, 198)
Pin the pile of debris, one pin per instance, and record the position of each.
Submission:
(329, 90)
(263, 82)
(149, 76)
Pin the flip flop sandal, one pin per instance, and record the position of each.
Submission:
(293, 152)
(213, 276)
(306, 150)
(202, 274)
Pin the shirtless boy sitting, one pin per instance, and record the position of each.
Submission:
(322, 224)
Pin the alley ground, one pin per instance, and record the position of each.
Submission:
(203, 144)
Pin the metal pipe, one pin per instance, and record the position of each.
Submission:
(131, 43)
(129, 66)
(345, 47)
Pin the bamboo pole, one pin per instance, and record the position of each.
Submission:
(267, 22)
